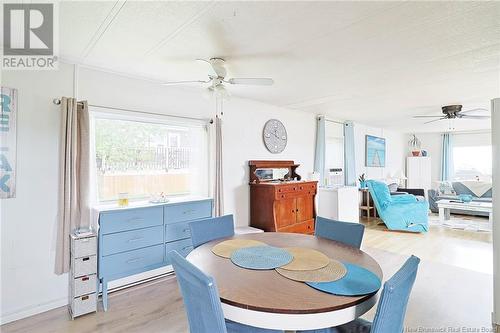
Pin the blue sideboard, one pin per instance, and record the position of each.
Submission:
(133, 240)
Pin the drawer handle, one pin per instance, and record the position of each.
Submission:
(135, 239)
(84, 298)
(185, 230)
(85, 278)
(135, 219)
(186, 248)
(189, 211)
(131, 261)
(86, 259)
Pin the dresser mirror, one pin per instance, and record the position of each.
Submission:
(269, 171)
(268, 174)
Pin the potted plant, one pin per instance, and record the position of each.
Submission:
(362, 181)
(415, 145)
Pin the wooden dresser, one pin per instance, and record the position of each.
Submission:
(282, 205)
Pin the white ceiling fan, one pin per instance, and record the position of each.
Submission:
(455, 112)
(217, 78)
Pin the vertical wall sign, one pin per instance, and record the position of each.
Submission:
(8, 115)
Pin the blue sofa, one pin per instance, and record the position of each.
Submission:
(459, 188)
(399, 212)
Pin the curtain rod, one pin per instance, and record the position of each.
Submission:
(57, 101)
(334, 121)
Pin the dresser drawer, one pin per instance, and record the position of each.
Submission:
(177, 231)
(130, 219)
(131, 240)
(188, 211)
(84, 285)
(84, 266)
(131, 261)
(183, 247)
(301, 228)
(81, 247)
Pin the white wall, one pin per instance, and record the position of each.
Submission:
(396, 148)
(28, 222)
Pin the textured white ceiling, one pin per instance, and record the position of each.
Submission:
(374, 62)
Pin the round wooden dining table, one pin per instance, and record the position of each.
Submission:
(265, 299)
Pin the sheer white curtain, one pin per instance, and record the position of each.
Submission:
(74, 179)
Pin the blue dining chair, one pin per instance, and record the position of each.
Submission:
(344, 232)
(204, 231)
(391, 308)
(202, 301)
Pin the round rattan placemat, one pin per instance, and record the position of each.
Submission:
(305, 259)
(226, 248)
(335, 270)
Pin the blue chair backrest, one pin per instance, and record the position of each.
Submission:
(201, 298)
(380, 194)
(204, 231)
(391, 308)
(345, 232)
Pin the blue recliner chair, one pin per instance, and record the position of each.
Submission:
(399, 212)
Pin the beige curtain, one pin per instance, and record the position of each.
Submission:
(74, 177)
(218, 182)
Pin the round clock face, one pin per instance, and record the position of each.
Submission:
(275, 136)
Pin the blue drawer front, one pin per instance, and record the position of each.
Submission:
(176, 231)
(188, 211)
(183, 247)
(131, 261)
(130, 219)
(131, 240)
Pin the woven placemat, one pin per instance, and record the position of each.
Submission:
(226, 248)
(305, 259)
(335, 270)
(358, 281)
(261, 257)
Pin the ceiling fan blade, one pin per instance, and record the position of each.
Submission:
(427, 116)
(252, 81)
(174, 83)
(474, 110)
(465, 116)
(211, 70)
(428, 122)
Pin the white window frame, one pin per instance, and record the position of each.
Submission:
(171, 121)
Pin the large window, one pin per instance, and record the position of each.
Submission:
(472, 163)
(145, 159)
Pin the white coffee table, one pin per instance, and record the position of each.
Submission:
(446, 205)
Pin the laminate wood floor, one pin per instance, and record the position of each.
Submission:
(453, 289)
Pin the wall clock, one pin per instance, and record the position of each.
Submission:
(274, 135)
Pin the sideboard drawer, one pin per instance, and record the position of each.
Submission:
(131, 261)
(131, 240)
(130, 219)
(176, 231)
(188, 211)
(183, 247)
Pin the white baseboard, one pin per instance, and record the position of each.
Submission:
(33, 310)
(113, 286)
